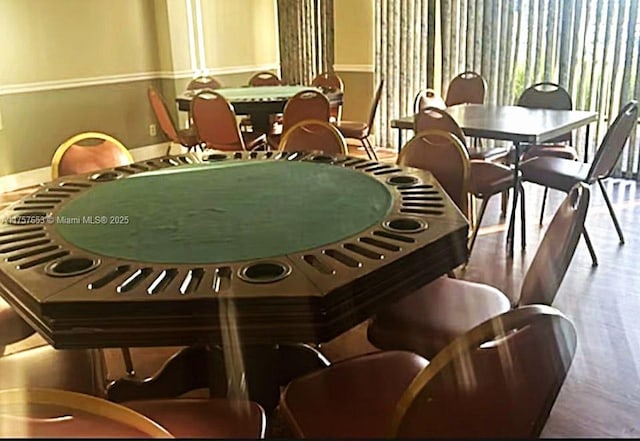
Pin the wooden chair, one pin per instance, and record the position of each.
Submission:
(330, 81)
(185, 137)
(264, 79)
(498, 380)
(426, 320)
(468, 87)
(304, 105)
(12, 327)
(428, 98)
(216, 125)
(445, 156)
(71, 157)
(361, 130)
(547, 95)
(314, 136)
(204, 82)
(51, 413)
(562, 174)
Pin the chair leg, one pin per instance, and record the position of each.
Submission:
(594, 259)
(504, 204)
(523, 224)
(474, 235)
(169, 149)
(128, 361)
(613, 214)
(544, 201)
(371, 153)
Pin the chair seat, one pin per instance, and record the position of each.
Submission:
(188, 137)
(253, 139)
(12, 327)
(204, 418)
(555, 151)
(488, 178)
(488, 154)
(353, 129)
(428, 319)
(354, 398)
(558, 173)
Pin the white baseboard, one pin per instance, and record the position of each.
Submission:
(43, 174)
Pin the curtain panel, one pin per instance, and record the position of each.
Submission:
(305, 39)
(404, 59)
(589, 47)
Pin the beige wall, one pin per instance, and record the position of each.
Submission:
(47, 41)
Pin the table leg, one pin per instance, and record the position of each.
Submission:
(266, 368)
(514, 205)
(400, 140)
(586, 144)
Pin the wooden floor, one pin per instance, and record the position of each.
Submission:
(601, 397)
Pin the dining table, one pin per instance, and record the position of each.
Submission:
(519, 125)
(260, 102)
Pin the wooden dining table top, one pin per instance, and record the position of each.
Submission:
(511, 123)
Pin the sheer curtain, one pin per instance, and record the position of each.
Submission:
(590, 47)
(306, 39)
(405, 47)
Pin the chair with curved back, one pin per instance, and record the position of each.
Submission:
(53, 413)
(468, 87)
(204, 82)
(446, 157)
(304, 105)
(361, 130)
(72, 157)
(314, 136)
(498, 380)
(185, 137)
(330, 81)
(562, 174)
(546, 95)
(216, 125)
(427, 98)
(426, 320)
(265, 79)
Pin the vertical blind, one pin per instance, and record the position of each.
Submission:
(589, 47)
(405, 42)
(305, 39)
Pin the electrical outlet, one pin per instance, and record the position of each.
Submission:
(152, 130)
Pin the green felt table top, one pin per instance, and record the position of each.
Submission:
(262, 93)
(224, 212)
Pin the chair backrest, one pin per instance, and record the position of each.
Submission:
(215, 121)
(546, 95)
(160, 109)
(52, 413)
(613, 143)
(468, 87)
(428, 98)
(498, 380)
(549, 265)
(204, 82)
(330, 81)
(374, 106)
(430, 118)
(314, 136)
(71, 157)
(307, 104)
(444, 155)
(265, 79)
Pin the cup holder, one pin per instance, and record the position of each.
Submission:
(71, 266)
(29, 218)
(106, 176)
(264, 272)
(405, 225)
(322, 158)
(402, 180)
(216, 157)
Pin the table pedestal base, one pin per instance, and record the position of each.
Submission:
(267, 368)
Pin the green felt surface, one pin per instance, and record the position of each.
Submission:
(266, 93)
(224, 212)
